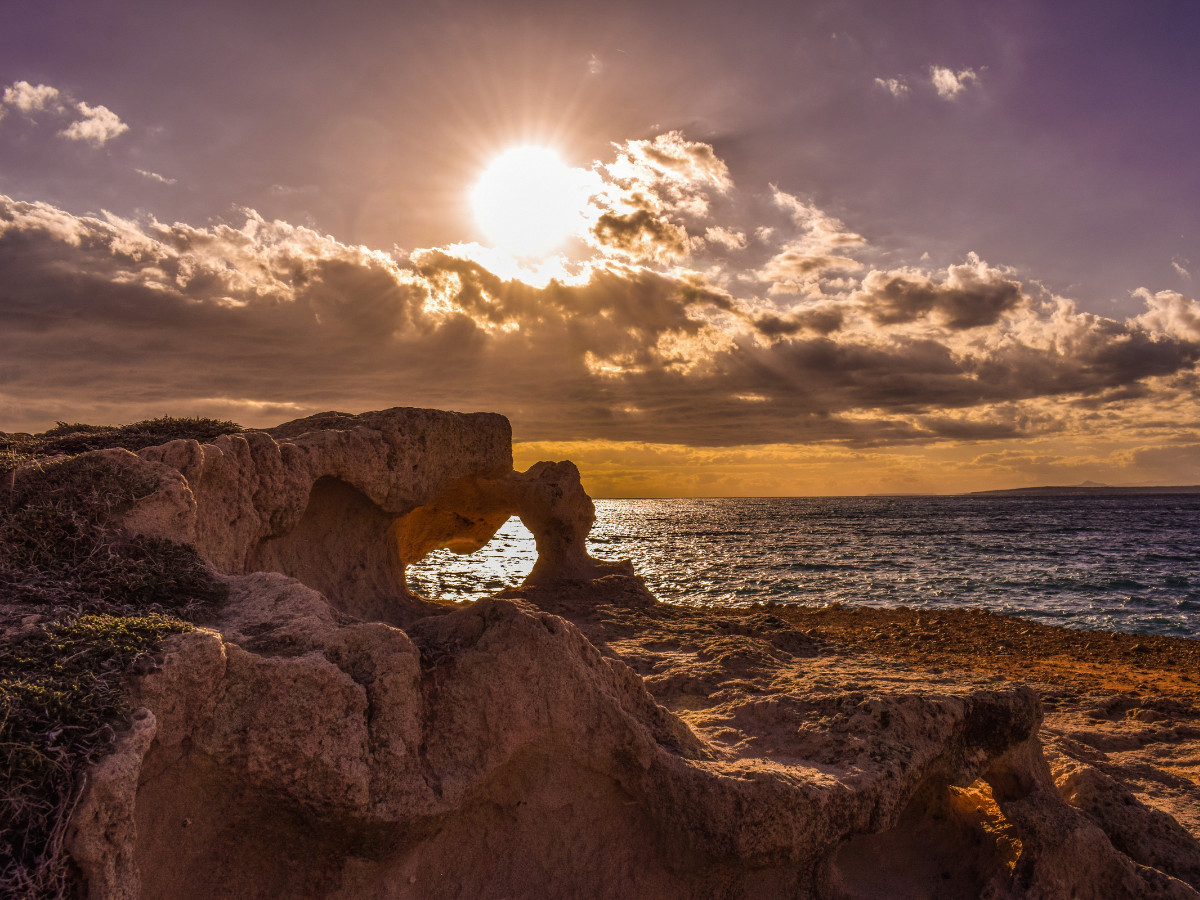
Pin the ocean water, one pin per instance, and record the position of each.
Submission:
(1121, 563)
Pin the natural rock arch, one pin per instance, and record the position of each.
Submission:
(345, 509)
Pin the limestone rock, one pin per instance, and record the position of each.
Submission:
(102, 838)
(345, 503)
(1145, 835)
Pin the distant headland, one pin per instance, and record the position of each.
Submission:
(1089, 487)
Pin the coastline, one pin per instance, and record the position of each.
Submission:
(982, 642)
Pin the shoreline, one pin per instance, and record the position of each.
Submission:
(1017, 649)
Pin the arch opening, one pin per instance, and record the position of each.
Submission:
(462, 575)
(388, 566)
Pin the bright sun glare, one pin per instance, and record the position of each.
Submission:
(528, 202)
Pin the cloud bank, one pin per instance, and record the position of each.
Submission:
(811, 338)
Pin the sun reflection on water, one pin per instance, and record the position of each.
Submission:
(1116, 563)
(503, 562)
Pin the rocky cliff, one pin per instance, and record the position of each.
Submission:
(331, 734)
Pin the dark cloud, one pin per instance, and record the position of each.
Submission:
(823, 320)
(975, 430)
(965, 300)
(108, 318)
(641, 235)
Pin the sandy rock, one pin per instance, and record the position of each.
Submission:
(1145, 835)
(495, 751)
(102, 838)
(345, 503)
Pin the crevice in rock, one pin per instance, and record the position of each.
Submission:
(950, 843)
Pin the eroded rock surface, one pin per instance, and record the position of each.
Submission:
(568, 738)
(345, 503)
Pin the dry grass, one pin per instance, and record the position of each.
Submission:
(70, 439)
(61, 692)
(62, 552)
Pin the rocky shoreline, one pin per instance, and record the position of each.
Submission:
(1128, 704)
(324, 732)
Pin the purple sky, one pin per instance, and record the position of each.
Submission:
(1055, 140)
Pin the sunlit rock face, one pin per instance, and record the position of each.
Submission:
(332, 735)
(344, 503)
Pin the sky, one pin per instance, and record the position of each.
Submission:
(803, 248)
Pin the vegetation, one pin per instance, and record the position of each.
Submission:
(98, 603)
(71, 439)
(63, 552)
(61, 690)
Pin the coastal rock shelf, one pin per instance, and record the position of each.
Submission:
(330, 734)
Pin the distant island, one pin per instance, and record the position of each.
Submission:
(1088, 488)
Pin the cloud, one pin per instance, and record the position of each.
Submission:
(822, 319)
(98, 126)
(154, 176)
(640, 235)
(288, 190)
(28, 98)
(822, 233)
(1171, 460)
(948, 83)
(728, 238)
(668, 174)
(1168, 313)
(795, 260)
(897, 87)
(670, 158)
(818, 247)
(971, 296)
(1180, 267)
(643, 202)
(644, 341)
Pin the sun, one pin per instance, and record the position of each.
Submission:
(528, 202)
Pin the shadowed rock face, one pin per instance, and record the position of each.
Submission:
(570, 738)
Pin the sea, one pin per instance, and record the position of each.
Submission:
(1124, 562)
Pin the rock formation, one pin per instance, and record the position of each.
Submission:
(334, 735)
(345, 503)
